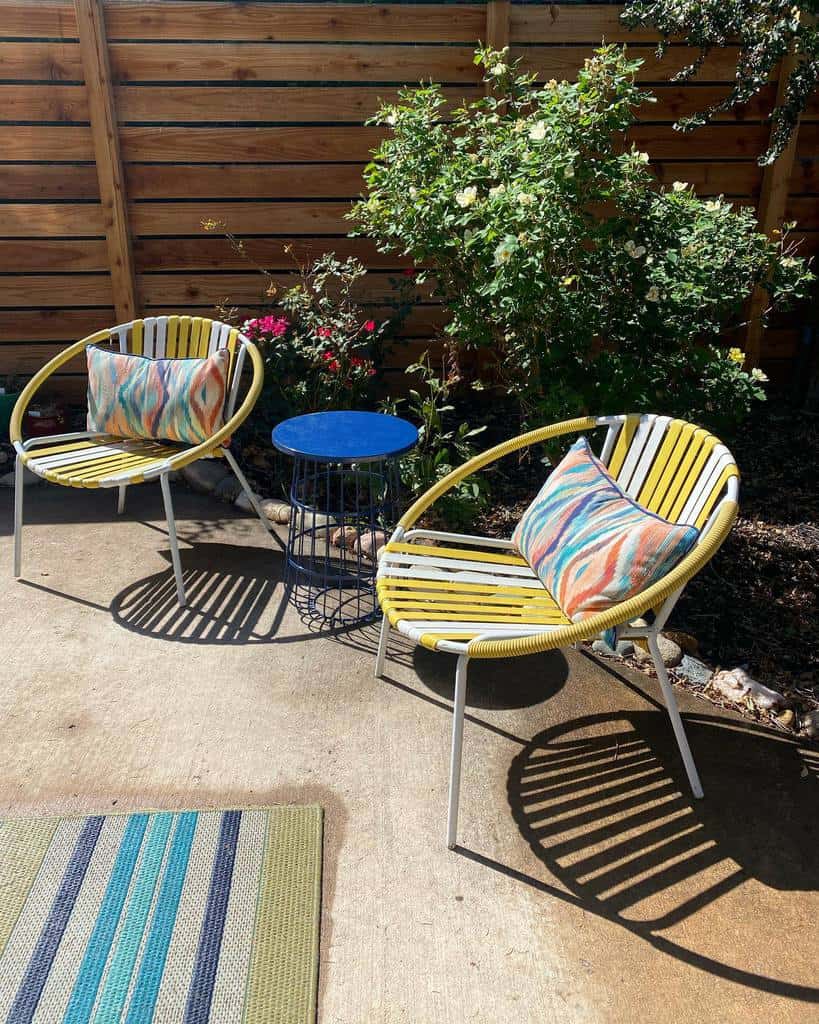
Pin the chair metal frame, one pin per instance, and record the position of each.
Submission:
(692, 474)
(100, 460)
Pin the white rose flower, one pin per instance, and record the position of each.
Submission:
(569, 171)
(538, 131)
(642, 157)
(503, 253)
(498, 70)
(759, 375)
(653, 294)
(634, 250)
(467, 197)
(498, 190)
(712, 205)
(413, 191)
(526, 198)
(391, 119)
(680, 186)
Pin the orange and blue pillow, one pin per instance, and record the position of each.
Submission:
(592, 545)
(181, 400)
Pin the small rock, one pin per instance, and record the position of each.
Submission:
(228, 490)
(625, 648)
(695, 671)
(809, 725)
(786, 718)
(276, 511)
(670, 652)
(738, 686)
(687, 642)
(601, 647)
(243, 502)
(28, 478)
(205, 475)
(370, 542)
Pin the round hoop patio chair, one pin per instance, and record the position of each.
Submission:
(91, 459)
(477, 598)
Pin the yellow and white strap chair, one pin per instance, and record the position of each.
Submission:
(475, 597)
(89, 459)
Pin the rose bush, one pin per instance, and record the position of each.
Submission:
(553, 246)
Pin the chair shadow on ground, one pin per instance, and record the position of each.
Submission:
(230, 592)
(603, 803)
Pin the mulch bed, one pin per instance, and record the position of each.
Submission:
(756, 605)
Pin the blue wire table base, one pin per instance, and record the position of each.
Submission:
(357, 502)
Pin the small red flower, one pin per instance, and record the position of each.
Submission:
(327, 356)
(334, 366)
(371, 372)
(369, 326)
(409, 272)
(324, 332)
(356, 361)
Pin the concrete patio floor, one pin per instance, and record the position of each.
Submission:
(589, 885)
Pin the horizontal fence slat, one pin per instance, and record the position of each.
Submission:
(52, 256)
(47, 181)
(238, 289)
(554, 23)
(325, 103)
(286, 62)
(47, 142)
(252, 181)
(55, 290)
(293, 22)
(566, 61)
(41, 61)
(215, 253)
(25, 19)
(44, 220)
(247, 145)
(241, 218)
(54, 101)
(51, 325)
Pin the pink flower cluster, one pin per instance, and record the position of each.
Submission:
(266, 327)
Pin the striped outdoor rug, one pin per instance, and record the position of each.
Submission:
(188, 917)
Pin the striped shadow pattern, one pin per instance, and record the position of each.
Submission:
(185, 917)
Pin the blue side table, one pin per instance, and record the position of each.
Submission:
(345, 478)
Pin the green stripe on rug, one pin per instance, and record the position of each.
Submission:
(254, 885)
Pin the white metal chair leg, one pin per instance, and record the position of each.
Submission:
(18, 516)
(121, 499)
(457, 748)
(676, 721)
(257, 508)
(177, 564)
(383, 639)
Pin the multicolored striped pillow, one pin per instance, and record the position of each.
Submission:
(180, 400)
(592, 545)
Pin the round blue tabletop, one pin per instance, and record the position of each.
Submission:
(345, 436)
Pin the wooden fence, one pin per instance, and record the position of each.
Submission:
(125, 124)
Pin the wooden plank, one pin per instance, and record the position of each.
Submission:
(208, 289)
(242, 218)
(283, 22)
(239, 181)
(281, 104)
(565, 61)
(94, 51)
(51, 325)
(773, 200)
(588, 23)
(41, 61)
(289, 62)
(248, 145)
(55, 102)
(739, 178)
(29, 19)
(47, 142)
(45, 220)
(52, 256)
(48, 181)
(215, 253)
(51, 290)
(713, 142)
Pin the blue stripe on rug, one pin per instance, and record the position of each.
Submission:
(31, 987)
(200, 994)
(118, 981)
(99, 945)
(143, 1001)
